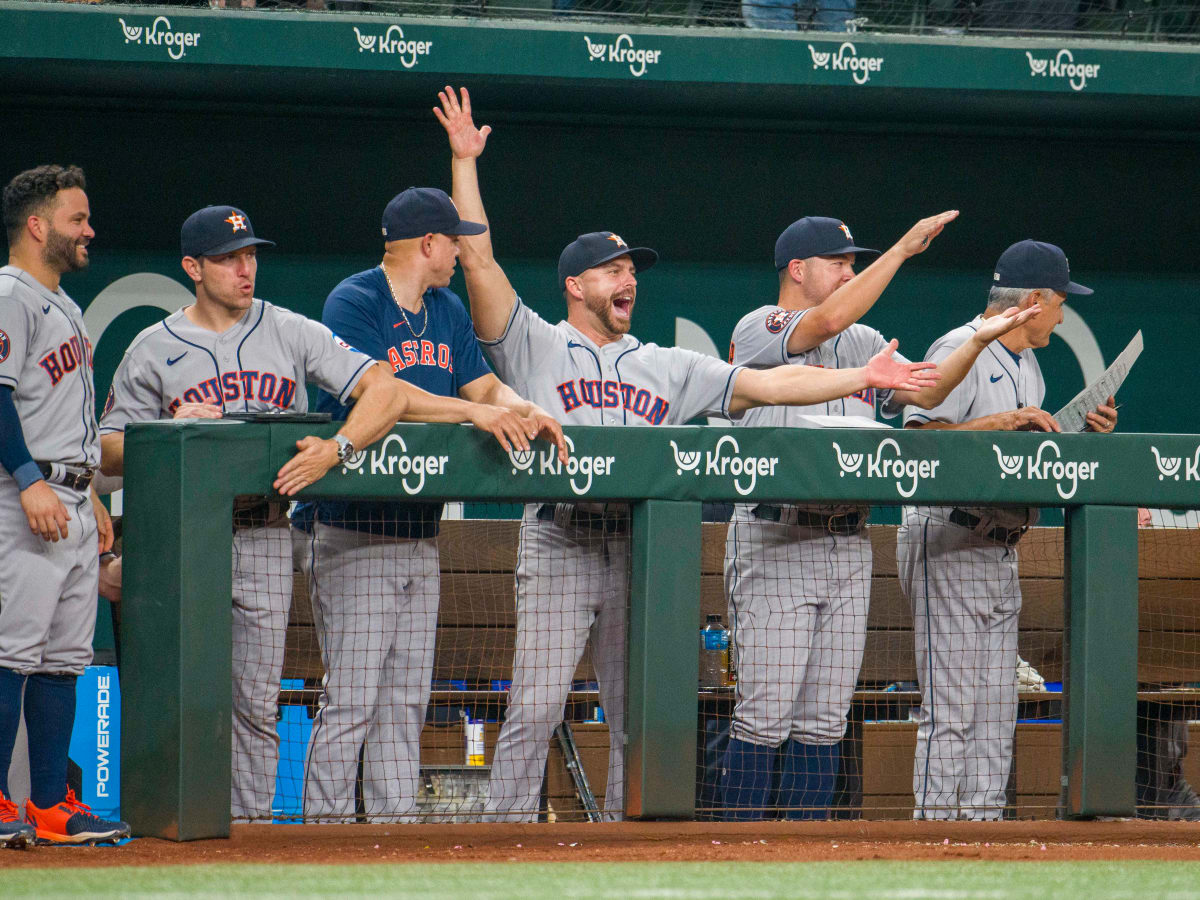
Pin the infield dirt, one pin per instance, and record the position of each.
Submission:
(647, 841)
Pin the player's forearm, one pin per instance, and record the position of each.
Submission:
(112, 453)
(500, 394)
(490, 294)
(847, 304)
(794, 386)
(426, 407)
(953, 369)
(381, 404)
(996, 422)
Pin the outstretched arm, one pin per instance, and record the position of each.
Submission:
(954, 368)
(491, 392)
(805, 385)
(851, 301)
(1027, 418)
(488, 289)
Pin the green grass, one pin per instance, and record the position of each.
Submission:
(651, 881)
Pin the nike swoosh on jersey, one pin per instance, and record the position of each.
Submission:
(171, 362)
(994, 378)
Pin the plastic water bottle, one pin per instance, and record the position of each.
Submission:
(473, 738)
(714, 653)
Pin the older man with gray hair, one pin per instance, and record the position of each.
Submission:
(958, 566)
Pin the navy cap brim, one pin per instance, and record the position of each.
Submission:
(465, 227)
(235, 244)
(1073, 288)
(643, 258)
(837, 251)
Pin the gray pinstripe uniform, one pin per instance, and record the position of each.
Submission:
(573, 582)
(47, 589)
(798, 596)
(966, 599)
(261, 364)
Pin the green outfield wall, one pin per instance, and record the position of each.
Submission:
(181, 479)
(729, 135)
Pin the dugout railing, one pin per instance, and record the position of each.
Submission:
(181, 480)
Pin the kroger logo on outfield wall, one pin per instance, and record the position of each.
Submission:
(846, 59)
(391, 457)
(724, 461)
(1172, 466)
(1048, 465)
(580, 469)
(887, 462)
(1063, 65)
(393, 42)
(160, 34)
(622, 51)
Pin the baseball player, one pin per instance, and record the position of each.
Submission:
(573, 560)
(798, 576)
(52, 526)
(958, 567)
(374, 565)
(231, 352)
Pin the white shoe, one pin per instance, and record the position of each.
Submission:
(1028, 678)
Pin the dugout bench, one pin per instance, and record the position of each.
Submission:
(477, 622)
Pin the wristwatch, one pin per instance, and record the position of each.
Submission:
(345, 447)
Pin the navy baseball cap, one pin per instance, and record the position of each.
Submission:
(815, 236)
(417, 212)
(218, 229)
(1033, 264)
(589, 250)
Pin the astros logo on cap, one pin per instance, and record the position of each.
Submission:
(238, 222)
(849, 237)
(616, 239)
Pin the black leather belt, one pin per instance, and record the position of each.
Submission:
(258, 513)
(1006, 536)
(75, 479)
(839, 523)
(609, 523)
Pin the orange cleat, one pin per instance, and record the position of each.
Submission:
(14, 833)
(72, 822)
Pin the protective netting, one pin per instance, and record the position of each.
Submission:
(884, 672)
(1130, 19)
(1168, 663)
(475, 675)
(881, 671)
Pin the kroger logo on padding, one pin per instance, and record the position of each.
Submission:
(393, 42)
(846, 59)
(622, 51)
(160, 34)
(723, 461)
(1047, 465)
(581, 469)
(1169, 466)
(391, 458)
(887, 462)
(1063, 65)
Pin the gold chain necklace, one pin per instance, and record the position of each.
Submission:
(403, 311)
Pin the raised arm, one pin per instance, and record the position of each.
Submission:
(491, 295)
(954, 368)
(805, 385)
(851, 301)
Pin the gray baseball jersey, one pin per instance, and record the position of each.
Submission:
(760, 342)
(573, 582)
(797, 596)
(622, 383)
(46, 358)
(261, 364)
(47, 589)
(966, 602)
